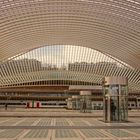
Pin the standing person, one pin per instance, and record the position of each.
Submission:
(84, 106)
(113, 110)
(6, 106)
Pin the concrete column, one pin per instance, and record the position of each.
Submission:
(69, 103)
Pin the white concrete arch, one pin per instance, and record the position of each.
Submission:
(111, 27)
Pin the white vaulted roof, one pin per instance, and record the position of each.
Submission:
(111, 27)
(106, 25)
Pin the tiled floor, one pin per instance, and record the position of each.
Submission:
(40, 129)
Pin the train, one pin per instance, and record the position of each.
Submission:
(32, 104)
(96, 105)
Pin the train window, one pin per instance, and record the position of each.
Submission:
(43, 103)
(62, 104)
(132, 105)
(9, 103)
(128, 104)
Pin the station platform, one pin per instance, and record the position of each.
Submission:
(67, 129)
(33, 112)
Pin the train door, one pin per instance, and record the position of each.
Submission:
(28, 104)
(37, 104)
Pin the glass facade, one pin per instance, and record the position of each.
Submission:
(76, 104)
(85, 104)
(115, 103)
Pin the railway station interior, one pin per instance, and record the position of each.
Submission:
(69, 69)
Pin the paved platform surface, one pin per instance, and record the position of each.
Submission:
(40, 128)
(55, 113)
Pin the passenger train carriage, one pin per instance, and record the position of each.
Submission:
(96, 105)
